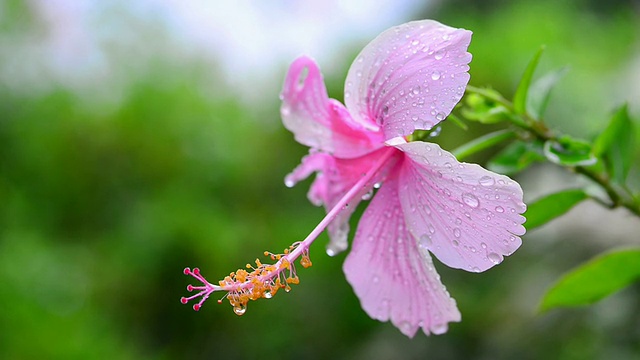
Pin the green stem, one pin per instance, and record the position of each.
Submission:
(541, 132)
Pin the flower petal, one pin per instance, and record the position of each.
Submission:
(409, 77)
(320, 122)
(394, 278)
(333, 180)
(467, 216)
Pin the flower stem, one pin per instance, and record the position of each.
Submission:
(540, 131)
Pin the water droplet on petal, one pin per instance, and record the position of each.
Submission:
(436, 75)
(475, 269)
(439, 54)
(431, 229)
(368, 195)
(483, 245)
(470, 199)
(456, 232)
(439, 329)
(406, 327)
(494, 258)
(440, 116)
(455, 243)
(267, 294)
(499, 209)
(425, 241)
(486, 181)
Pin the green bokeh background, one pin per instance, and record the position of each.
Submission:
(103, 205)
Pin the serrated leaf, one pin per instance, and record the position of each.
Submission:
(520, 97)
(568, 151)
(481, 143)
(540, 92)
(615, 145)
(552, 206)
(516, 157)
(594, 280)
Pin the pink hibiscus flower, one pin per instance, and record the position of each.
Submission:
(408, 78)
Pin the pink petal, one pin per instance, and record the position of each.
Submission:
(467, 216)
(320, 122)
(409, 77)
(394, 278)
(333, 180)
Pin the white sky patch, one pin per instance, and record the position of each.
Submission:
(250, 42)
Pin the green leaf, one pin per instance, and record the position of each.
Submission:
(457, 121)
(481, 143)
(568, 151)
(484, 110)
(540, 92)
(516, 157)
(520, 97)
(552, 206)
(615, 145)
(594, 280)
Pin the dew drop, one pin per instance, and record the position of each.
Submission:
(475, 269)
(288, 182)
(431, 229)
(415, 42)
(499, 209)
(494, 258)
(435, 132)
(455, 243)
(486, 181)
(385, 110)
(436, 75)
(458, 221)
(483, 245)
(439, 329)
(512, 238)
(425, 241)
(456, 232)
(440, 116)
(416, 90)
(240, 310)
(267, 294)
(405, 327)
(439, 54)
(470, 199)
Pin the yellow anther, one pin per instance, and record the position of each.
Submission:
(305, 261)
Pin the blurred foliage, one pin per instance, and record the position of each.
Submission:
(103, 206)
